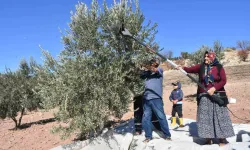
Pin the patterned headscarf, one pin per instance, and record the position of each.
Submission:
(213, 62)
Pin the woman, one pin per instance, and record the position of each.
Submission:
(213, 121)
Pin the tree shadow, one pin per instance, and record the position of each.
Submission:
(193, 129)
(39, 122)
(193, 132)
(125, 127)
(108, 125)
(190, 97)
(105, 138)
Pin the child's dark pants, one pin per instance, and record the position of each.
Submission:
(177, 108)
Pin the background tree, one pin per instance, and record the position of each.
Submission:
(18, 92)
(233, 48)
(185, 55)
(198, 56)
(168, 54)
(244, 45)
(96, 75)
(219, 50)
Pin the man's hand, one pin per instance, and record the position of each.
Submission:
(153, 69)
(211, 91)
(144, 68)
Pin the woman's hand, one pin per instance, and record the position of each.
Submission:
(178, 67)
(211, 91)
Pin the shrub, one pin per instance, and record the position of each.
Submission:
(198, 56)
(185, 55)
(243, 55)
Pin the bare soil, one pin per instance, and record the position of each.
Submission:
(37, 134)
(238, 87)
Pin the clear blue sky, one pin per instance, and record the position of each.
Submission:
(184, 25)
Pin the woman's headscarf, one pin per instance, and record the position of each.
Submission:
(213, 62)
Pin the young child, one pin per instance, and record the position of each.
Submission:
(176, 97)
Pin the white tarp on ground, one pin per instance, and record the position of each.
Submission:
(182, 139)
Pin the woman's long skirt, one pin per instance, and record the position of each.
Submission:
(213, 121)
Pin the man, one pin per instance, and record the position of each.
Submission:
(138, 113)
(152, 100)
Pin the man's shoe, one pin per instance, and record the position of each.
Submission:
(146, 140)
(168, 138)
